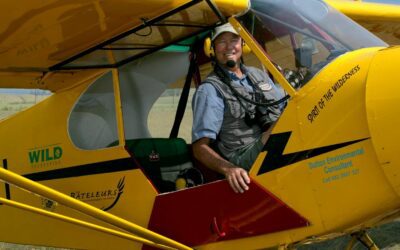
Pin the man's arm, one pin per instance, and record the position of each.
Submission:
(237, 177)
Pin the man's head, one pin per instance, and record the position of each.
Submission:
(227, 45)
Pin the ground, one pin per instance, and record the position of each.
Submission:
(387, 237)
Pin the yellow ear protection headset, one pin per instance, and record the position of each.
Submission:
(189, 177)
(209, 49)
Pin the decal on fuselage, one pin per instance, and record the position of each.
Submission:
(337, 167)
(276, 159)
(330, 93)
(113, 194)
(45, 156)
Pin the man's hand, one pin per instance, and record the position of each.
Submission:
(238, 179)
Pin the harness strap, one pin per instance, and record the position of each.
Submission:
(193, 68)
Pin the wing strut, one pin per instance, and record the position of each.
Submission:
(37, 188)
(81, 223)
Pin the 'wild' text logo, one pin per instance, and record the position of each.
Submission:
(45, 156)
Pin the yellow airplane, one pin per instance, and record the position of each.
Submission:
(81, 169)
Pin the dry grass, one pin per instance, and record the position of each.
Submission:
(11, 104)
(162, 127)
(10, 246)
(162, 116)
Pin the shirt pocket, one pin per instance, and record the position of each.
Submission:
(234, 108)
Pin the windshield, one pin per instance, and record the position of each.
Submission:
(302, 36)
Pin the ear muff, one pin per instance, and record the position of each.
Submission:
(189, 177)
(209, 50)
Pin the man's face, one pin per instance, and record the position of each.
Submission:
(228, 46)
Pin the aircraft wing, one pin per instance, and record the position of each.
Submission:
(381, 19)
(41, 39)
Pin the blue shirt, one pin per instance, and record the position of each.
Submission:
(208, 108)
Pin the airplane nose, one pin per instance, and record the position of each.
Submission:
(383, 111)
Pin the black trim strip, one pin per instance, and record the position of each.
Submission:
(60, 65)
(216, 11)
(8, 195)
(276, 144)
(128, 48)
(180, 25)
(83, 170)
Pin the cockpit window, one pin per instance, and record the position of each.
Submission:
(92, 123)
(148, 108)
(302, 36)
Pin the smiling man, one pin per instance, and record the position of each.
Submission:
(233, 116)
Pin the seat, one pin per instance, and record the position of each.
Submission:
(162, 159)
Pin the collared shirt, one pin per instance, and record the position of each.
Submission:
(208, 108)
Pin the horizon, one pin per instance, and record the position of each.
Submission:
(25, 91)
